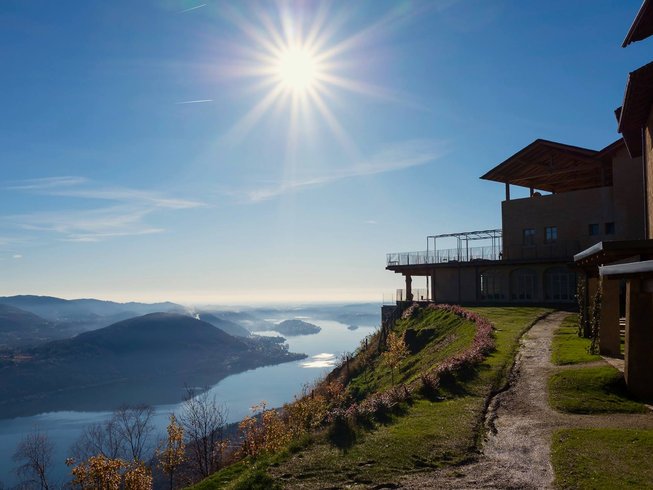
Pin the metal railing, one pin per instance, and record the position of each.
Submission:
(557, 250)
(443, 256)
(419, 294)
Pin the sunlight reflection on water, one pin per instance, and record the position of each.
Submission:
(323, 360)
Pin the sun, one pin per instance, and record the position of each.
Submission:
(297, 69)
(299, 62)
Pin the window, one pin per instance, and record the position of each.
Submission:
(494, 285)
(529, 236)
(609, 228)
(559, 284)
(551, 234)
(523, 285)
(594, 229)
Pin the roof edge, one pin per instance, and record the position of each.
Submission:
(645, 10)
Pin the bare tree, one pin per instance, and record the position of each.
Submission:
(34, 456)
(203, 420)
(134, 427)
(125, 435)
(99, 439)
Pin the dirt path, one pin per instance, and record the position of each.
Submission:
(520, 423)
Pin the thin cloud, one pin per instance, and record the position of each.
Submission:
(17, 256)
(83, 188)
(198, 101)
(127, 215)
(192, 8)
(371, 222)
(397, 157)
(125, 194)
(88, 225)
(98, 237)
(45, 183)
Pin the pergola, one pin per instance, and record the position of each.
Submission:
(463, 239)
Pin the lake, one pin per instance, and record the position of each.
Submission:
(274, 384)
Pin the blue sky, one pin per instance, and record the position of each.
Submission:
(138, 162)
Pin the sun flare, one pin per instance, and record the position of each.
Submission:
(300, 63)
(297, 69)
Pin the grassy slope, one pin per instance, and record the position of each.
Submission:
(603, 458)
(591, 390)
(427, 434)
(568, 347)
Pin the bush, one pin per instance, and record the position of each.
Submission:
(258, 480)
(341, 432)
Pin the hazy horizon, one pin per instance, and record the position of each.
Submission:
(219, 299)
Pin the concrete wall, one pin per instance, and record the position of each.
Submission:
(629, 198)
(571, 212)
(462, 284)
(455, 285)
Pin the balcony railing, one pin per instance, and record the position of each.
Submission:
(444, 256)
(419, 294)
(557, 250)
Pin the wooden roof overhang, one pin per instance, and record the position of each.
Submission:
(609, 252)
(634, 113)
(554, 167)
(642, 269)
(642, 25)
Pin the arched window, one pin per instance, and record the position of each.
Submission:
(494, 285)
(559, 284)
(523, 285)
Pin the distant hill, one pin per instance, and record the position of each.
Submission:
(87, 310)
(156, 349)
(247, 319)
(19, 328)
(232, 328)
(295, 327)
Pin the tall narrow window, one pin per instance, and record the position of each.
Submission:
(609, 228)
(551, 234)
(594, 229)
(529, 236)
(523, 285)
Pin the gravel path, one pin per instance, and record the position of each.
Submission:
(516, 453)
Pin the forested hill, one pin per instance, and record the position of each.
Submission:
(20, 327)
(159, 349)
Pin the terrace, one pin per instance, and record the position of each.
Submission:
(461, 253)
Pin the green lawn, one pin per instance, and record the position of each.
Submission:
(603, 459)
(428, 434)
(591, 390)
(568, 347)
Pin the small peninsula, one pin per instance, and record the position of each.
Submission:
(296, 327)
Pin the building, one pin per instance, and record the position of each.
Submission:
(625, 268)
(577, 197)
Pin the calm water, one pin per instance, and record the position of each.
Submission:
(274, 384)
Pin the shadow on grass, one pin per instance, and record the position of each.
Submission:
(342, 434)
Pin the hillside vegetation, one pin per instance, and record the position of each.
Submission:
(386, 411)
